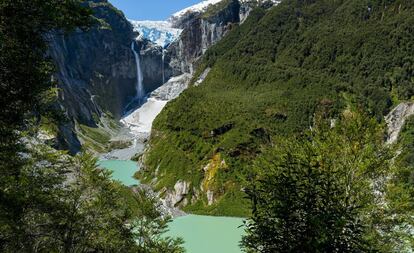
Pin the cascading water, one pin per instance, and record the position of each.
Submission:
(139, 86)
(163, 57)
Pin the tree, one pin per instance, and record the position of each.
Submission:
(76, 207)
(151, 225)
(49, 201)
(25, 73)
(101, 215)
(322, 192)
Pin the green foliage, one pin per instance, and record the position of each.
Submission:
(399, 225)
(151, 225)
(76, 207)
(97, 139)
(272, 74)
(216, 8)
(94, 138)
(406, 140)
(49, 201)
(25, 75)
(233, 203)
(401, 190)
(324, 192)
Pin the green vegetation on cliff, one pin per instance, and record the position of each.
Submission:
(269, 77)
(216, 8)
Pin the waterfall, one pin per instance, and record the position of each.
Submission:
(163, 60)
(139, 87)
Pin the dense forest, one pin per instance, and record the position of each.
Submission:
(269, 77)
(287, 130)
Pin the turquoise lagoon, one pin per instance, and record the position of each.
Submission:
(121, 170)
(208, 234)
(202, 234)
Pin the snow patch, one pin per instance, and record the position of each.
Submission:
(173, 88)
(204, 5)
(140, 121)
(200, 7)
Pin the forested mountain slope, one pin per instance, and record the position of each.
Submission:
(269, 78)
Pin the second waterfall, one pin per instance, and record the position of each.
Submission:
(139, 86)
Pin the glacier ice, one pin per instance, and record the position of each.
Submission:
(159, 32)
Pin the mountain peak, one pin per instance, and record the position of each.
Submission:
(200, 7)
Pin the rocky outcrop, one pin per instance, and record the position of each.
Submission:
(396, 119)
(246, 6)
(202, 77)
(161, 205)
(210, 197)
(178, 195)
(211, 170)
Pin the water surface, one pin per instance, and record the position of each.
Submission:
(202, 234)
(122, 170)
(208, 234)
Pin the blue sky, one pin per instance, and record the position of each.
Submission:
(151, 9)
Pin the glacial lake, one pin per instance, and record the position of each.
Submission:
(121, 170)
(208, 234)
(202, 234)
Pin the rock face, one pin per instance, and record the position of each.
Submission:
(200, 31)
(162, 206)
(96, 69)
(155, 67)
(202, 77)
(178, 194)
(396, 120)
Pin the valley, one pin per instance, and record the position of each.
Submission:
(136, 125)
(229, 126)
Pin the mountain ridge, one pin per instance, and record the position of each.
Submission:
(269, 78)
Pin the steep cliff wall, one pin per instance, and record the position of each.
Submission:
(200, 31)
(96, 69)
(155, 65)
